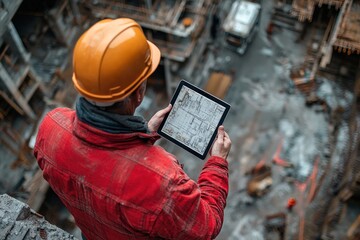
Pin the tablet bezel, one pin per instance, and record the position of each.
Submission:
(208, 96)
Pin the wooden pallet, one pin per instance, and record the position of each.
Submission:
(218, 84)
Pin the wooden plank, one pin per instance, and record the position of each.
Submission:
(176, 16)
(15, 41)
(354, 228)
(4, 51)
(37, 187)
(357, 82)
(11, 103)
(9, 83)
(218, 84)
(9, 8)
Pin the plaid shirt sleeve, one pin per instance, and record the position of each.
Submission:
(195, 210)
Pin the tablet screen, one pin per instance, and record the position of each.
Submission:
(194, 118)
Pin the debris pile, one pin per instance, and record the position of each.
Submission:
(18, 221)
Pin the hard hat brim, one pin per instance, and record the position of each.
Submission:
(155, 58)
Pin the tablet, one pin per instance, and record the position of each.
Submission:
(194, 119)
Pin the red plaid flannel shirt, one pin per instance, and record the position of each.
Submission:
(121, 186)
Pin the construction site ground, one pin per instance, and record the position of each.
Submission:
(269, 119)
(283, 140)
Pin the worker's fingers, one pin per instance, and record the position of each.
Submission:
(227, 141)
(222, 144)
(161, 114)
(164, 111)
(221, 133)
(226, 135)
(156, 120)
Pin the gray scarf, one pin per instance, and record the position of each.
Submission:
(107, 121)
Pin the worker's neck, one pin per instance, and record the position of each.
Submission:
(124, 108)
(128, 106)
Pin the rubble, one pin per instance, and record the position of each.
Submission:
(294, 118)
(18, 221)
(276, 222)
(260, 182)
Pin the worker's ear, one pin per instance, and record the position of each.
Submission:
(140, 93)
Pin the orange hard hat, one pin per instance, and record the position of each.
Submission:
(111, 59)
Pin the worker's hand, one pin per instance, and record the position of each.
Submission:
(155, 121)
(222, 144)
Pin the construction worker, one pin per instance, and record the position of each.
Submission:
(100, 159)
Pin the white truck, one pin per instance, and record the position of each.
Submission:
(241, 24)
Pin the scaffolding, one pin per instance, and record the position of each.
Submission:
(30, 67)
(304, 9)
(176, 27)
(333, 214)
(340, 35)
(348, 35)
(331, 210)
